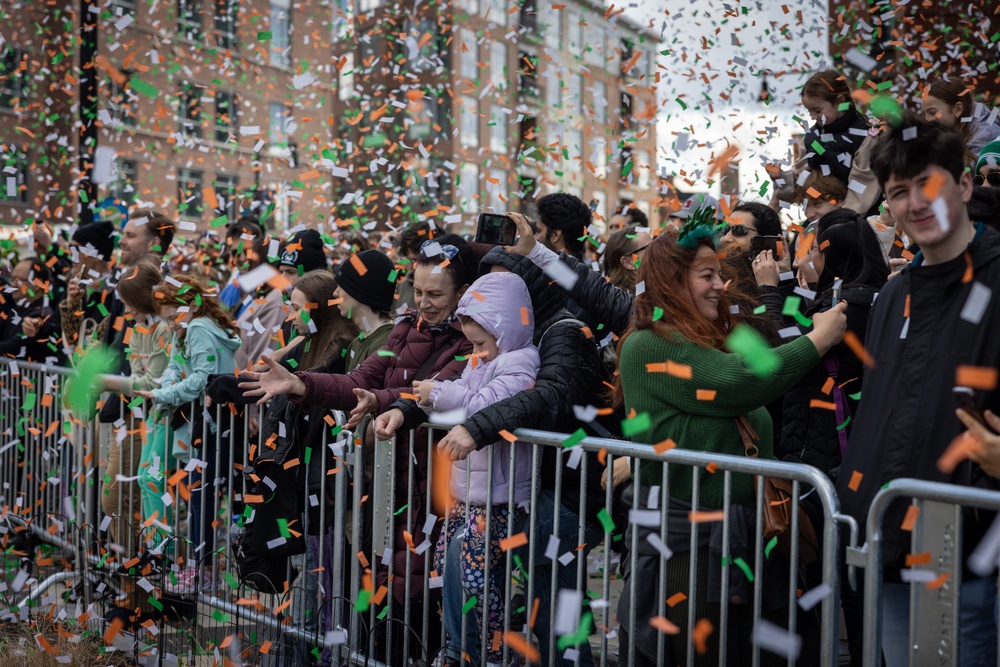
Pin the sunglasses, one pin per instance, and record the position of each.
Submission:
(447, 249)
(993, 178)
(739, 231)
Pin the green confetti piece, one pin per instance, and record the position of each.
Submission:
(883, 106)
(220, 616)
(606, 521)
(791, 305)
(657, 313)
(283, 528)
(845, 106)
(219, 222)
(818, 147)
(81, 387)
(390, 353)
(575, 438)
(760, 310)
(802, 319)
(392, 275)
(637, 424)
(581, 635)
(844, 425)
(231, 580)
(142, 88)
(382, 614)
(763, 188)
(756, 353)
(742, 564)
(770, 546)
(29, 401)
(263, 35)
(467, 607)
(156, 604)
(401, 510)
(855, 397)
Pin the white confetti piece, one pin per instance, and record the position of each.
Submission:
(655, 542)
(976, 303)
(563, 275)
(813, 597)
(777, 640)
(254, 278)
(568, 611)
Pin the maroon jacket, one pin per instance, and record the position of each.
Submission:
(411, 344)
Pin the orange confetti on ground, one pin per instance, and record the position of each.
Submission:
(705, 394)
(855, 481)
(918, 559)
(676, 599)
(664, 625)
(521, 645)
(513, 542)
(977, 377)
(699, 636)
(664, 446)
(910, 520)
(957, 451)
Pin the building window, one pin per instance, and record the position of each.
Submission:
(226, 116)
(225, 23)
(123, 104)
(495, 11)
(13, 174)
(496, 186)
(13, 78)
(470, 6)
(600, 92)
(368, 5)
(599, 157)
(553, 86)
(190, 201)
(469, 129)
(281, 29)
(343, 19)
(599, 206)
(574, 140)
(498, 133)
(126, 175)
(552, 29)
(498, 65)
(345, 84)
(225, 192)
(281, 122)
(189, 110)
(575, 93)
(642, 169)
(594, 50)
(425, 114)
(468, 186)
(189, 19)
(469, 55)
(574, 32)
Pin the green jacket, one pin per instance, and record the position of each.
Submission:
(363, 346)
(686, 411)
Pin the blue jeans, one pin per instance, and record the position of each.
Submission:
(453, 596)
(977, 627)
(541, 575)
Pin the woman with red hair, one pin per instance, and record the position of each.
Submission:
(684, 316)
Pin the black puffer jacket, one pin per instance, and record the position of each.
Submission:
(609, 305)
(809, 432)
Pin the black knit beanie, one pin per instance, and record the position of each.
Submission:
(374, 288)
(98, 235)
(310, 256)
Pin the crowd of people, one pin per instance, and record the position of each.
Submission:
(862, 315)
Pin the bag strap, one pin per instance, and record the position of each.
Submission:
(748, 435)
(568, 320)
(428, 364)
(842, 411)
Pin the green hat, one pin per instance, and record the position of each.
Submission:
(990, 155)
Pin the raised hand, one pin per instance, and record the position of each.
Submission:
(367, 404)
(276, 381)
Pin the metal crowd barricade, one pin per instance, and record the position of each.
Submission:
(936, 535)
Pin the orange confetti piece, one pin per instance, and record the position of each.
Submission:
(279, 282)
(910, 520)
(712, 467)
(265, 648)
(524, 317)
(851, 340)
(706, 517)
(508, 436)
(699, 636)
(933, 185)
(967, 276)
(534, 613)
(664, 625)
(602, 456)
(977, 377)
(363, 559)
(705, 394)
(114, 628)
(957, 451)
(855, 481)
(676, 599)
(521, 645)
(918, 559)
(663, 446)
(939, 582)
(513, 542)
(358, 265)
(828, 385)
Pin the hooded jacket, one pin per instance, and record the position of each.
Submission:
(499, 303)
(907, 419)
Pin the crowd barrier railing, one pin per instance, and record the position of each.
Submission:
(934, 567)
(369, 584)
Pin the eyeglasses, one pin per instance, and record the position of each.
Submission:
(739, 231)
(638, 250)
(993, 178)
(447, 249)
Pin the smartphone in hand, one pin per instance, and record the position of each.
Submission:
(759, 244)
(494, 229)
(966, 399)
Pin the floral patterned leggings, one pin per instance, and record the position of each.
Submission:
(471, 533)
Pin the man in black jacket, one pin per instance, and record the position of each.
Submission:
(571, 374)
(931, 319)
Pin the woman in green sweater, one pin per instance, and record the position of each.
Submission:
(674, 369)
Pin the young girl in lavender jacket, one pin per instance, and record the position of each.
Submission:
(497, 319)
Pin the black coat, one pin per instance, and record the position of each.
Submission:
(907, 419)
(809, 432)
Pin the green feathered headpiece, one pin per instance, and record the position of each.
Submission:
(700, 225)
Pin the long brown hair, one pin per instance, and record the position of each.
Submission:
(829, 85)
(665, 305)
(187, 290)
(332, 328)
(954, 91)
(137, 285)
(620, 244)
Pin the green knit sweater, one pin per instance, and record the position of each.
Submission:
(676, 412)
